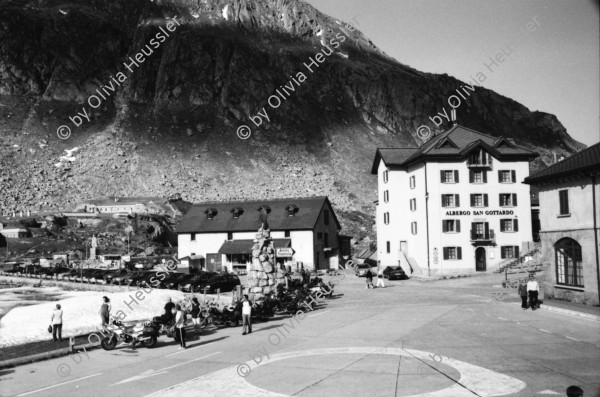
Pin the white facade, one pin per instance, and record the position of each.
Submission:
(209, 243)
(413, 232)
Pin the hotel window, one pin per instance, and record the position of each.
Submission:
(385, 176)
(450, 200)
(193, 237)
(479, 200)
(563, 197)
(508, 199)
(386, 196)
(452, 253)
(412, 182)
(320, 236)
(506, 176)
(326, 217)
(449, 176)
(286, 233)
(479, 176)
(509, 251)
(413, 204)
(480, 158)
(230, 236)
(326, 240)
(568, 260)
(386, 218)
(509, 225)
(413, 227)
(451, 226)
(388, 247)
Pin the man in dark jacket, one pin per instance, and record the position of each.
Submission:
(522, 291)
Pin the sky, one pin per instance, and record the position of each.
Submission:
(553, 67)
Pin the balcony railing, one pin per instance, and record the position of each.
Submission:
(480, 164)
(483, 236)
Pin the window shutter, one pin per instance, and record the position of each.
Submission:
(445, 253)
(499, 176)
(456, 200)
(502, 253)
(502, 228)
(487, 230)
(458, 225)
(442, 176)
(513, 175)
(485, 200)
(458, 252)
(516, 225)
(516, 251)
(514, 202)
(472, 200)
(444, 200)
(472, 228)
(455, 176)
(500, 202)
(444, 226)
(484, 176)
(471, 176)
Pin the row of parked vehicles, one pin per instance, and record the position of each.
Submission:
(186, 282)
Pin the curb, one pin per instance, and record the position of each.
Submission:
(567, 312)
(14, 362)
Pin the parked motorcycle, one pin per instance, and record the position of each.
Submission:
(145, 333)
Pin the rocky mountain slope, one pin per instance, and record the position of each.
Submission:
(166, 121)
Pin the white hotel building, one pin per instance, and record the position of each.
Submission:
(457, 204)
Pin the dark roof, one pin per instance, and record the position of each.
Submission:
(587, 160)
(457, 142)
(305, 218)
(245, 246)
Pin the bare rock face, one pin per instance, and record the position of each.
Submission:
(169, 125)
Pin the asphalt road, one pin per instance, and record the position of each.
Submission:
(445, 338)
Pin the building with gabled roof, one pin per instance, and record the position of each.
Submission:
(569, 198)
(305, 230)
(456, 204)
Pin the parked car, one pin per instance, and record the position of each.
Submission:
(65, 275)
(108, 276)
(97, 277)
(394, 272)
(361, 270)
(223, 282)
(194, 282)
(174, 280)
(126, 278)
(83, 275)
(145, 280)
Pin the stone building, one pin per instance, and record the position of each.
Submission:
(570, 214)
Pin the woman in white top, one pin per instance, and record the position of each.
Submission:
(56, 321)
(180, 326)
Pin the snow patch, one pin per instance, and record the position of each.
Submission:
(225, 9)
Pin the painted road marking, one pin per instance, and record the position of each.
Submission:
(576, 340)
(152, 372)
(60, 384)
(543, 330)
(187, 350)
(522, 325)
(318, 314)
(502, 318)
(473, 379)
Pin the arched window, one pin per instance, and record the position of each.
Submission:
(568, 262)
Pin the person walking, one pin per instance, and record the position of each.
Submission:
(246, 315)
(195, 313)
(533, 289)
(180, 326)
(380, 278)
(56, 321)
(369, 279)
(522, 291)
(105, 311)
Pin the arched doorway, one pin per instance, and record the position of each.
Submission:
(568, 262)
(480, 265)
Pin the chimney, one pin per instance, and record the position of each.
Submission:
(453, 117)
(554, 153)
